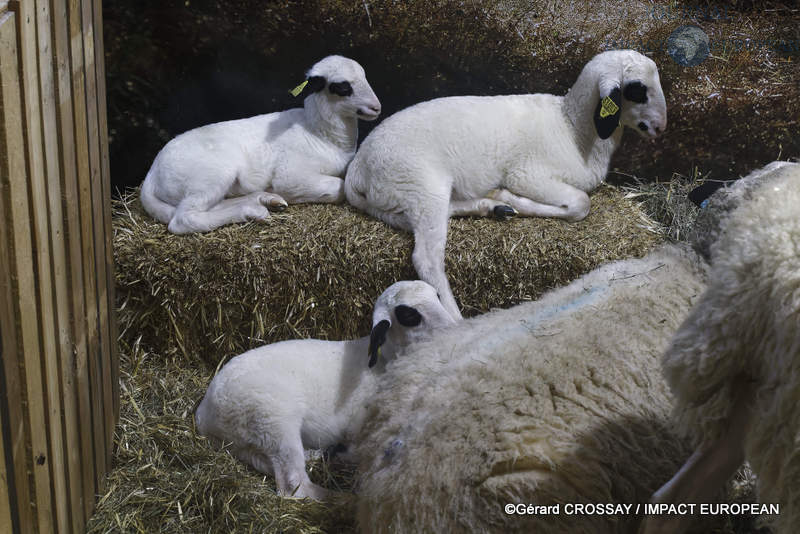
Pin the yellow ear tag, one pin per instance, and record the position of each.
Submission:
(608, 108)
(299, 89)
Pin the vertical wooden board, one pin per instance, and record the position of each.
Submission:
(86, 372)
(110, 304)
(39, 266)
(52, 291)
(73, 315)
(12, 167)
(103, 372)
(5, 502)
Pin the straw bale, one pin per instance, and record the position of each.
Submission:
(315, 270)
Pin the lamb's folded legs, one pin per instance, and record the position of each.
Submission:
(481, 207)
(544, 197)
(288, 464)
(194, 214)
(301, 188)
(703, 474)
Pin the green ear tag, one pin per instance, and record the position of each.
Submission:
(299, 89)
(608, 107)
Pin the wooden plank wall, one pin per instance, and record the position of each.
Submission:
(59, 369)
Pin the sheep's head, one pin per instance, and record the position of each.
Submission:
(630, 94)
(716, 207)
(405, 312)
(343, 84)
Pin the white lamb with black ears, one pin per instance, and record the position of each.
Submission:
(233, 171)
(536, 155)
(734, 364)
(272, 401)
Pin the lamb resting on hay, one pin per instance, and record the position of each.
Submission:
(538, 154)
(734, 365)
(272, 401)
(233, 171)
(550, 402)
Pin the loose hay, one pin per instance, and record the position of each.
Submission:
(315, 270)
(668, 203)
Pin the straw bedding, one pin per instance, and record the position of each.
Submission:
(167, 479)
(315, 270)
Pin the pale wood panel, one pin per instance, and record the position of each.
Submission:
(73, 316)
(15, 248)
(102, 115)
(101, 377)
(13, 476)
(37, 264)
(56, 335)
(84, 361)
(59, 366)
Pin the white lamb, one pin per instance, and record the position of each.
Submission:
(234, 171)
(734, 365)
(272, 401)
(550, 402)
(536, 155)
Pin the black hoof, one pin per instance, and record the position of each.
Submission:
(503, 212)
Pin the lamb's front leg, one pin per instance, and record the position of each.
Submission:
(289, 464)
(534, 195)
(301, 188)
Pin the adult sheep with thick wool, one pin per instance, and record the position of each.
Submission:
(734, 365)
(270, 402)
(536, 155)
(233, 171)
(553, 402)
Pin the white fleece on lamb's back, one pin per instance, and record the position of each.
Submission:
(554, 401)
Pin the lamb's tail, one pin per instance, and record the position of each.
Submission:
(157, 208)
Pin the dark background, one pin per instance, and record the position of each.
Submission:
(173, 65)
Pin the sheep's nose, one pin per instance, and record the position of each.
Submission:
(375, 109)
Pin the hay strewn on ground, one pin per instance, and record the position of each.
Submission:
(315, 270)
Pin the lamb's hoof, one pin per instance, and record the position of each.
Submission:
(278, 206)
(503, 212)
(272, 201)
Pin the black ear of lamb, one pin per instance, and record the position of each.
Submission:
(635, 92)
(314, 85)
(377, 337)
(605, 126)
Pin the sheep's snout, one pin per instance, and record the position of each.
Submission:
(369, 112)
(651, 127)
